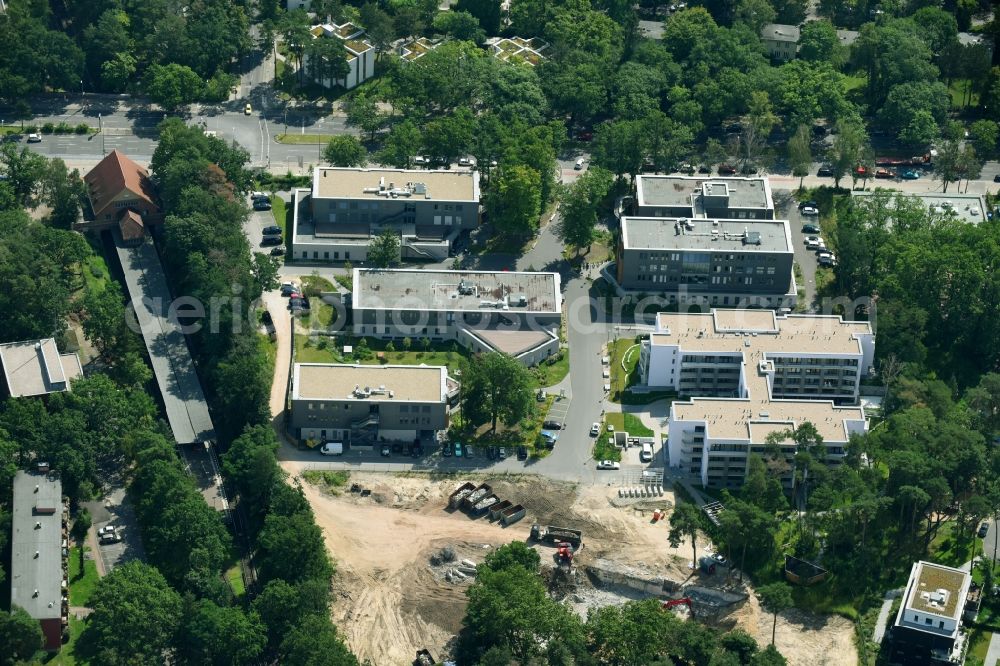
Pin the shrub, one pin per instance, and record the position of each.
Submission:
(64, 128)
(82, 128)
(31, 129)
(48, 128)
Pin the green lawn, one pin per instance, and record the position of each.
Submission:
(314, 284)
(550, 374)
(67, 655)
(958, 92)
(331, 481)
(622, 378)
(81, 586)
(855, 81)
(234, 576)
(950, 549)
(280, 214)
(307, 139)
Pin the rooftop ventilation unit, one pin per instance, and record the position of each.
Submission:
(466, 288)
(752, 238)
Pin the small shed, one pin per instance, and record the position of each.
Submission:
(802, 572)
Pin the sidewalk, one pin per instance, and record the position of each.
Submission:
(993, 653)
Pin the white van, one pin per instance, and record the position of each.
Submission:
(646, 454)
(332, 449)
(579, 164)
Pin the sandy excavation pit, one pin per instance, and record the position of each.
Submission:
(390, 600)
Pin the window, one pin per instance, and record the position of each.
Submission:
(336, 255)
(927, 620)
(342, 205)
(326, 255)
(347, 255)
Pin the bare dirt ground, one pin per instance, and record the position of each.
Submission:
(390, 600)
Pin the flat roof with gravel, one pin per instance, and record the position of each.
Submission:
(660, 233)
(35, 367)
(36, 545)
(754, 192)
(403, 184)
(485, 291)
(412, 383)
(970, 208)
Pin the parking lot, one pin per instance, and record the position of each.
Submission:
(558, 410)
(116, 510)
(254, 226)
(804, 257)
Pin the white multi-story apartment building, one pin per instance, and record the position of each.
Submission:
(928, 627)
(759, 373)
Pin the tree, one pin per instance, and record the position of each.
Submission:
(620, 147)
(378, 26)
(220, 636)
(251, 465)
(487, 12)
(326, 60)
(818, 42)
(984, 135)
(515, 553)
(515, 199)
(81, 525)
(799, 154)
(775, 598)
(363, 113)
(578, 205)
(460, 25)
(848, 143)
(449, 137)
(907, 99)
(136, 615)
(948, 164)
(291, 548)
(497, 387)
(383, 250)
(636, 632)
(920, 131)
(757, 126)
(684, 522)
(345, 151)
(315, 642)
(25, 171)
(173, 86)
(62, 191)
(755, 14)
(401, 145)
(20, 637)
(282, 606)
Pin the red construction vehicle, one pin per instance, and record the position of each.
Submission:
(564, 554)
(683, 601)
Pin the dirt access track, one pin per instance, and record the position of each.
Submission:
(391, 600)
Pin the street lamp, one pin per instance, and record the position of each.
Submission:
(81, 87)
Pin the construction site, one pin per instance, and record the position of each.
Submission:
(406, 547)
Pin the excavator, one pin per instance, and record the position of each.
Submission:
(683, 601)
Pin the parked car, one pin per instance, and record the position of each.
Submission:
(595, 430)
(247, 110)
(386, 450)
(458, 449)
(813, 242)
(466, 161)
(272, 230)
(882, 172)
(996, 178)
(261, 204)
(491, 452)
(34, 138)
(502, 453)
(808, 202)
(257, 194)
(552, 425)
(909, 174)
(522, 453)
(278, 251)
(332, 449)
(983, 530)
(270, 240)
(726, 169)
(809, 210)
(446, 450)
(584, 135)
(686, 168)
(288, 289)
(111, 536)
(810, 229)
(704, 168)
(420, 159)
(720, 559)
(579, 163)
(107, 529)
(827, 262)
(825, 171)
(608, 464)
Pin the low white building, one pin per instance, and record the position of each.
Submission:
(928, 625)
(360, 54)
(755, 373)
(780, 41)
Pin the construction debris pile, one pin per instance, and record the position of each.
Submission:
(445, 564)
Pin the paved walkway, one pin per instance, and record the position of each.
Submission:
(993, 653)
(883, 614)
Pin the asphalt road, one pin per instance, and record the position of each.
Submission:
(804, 257)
